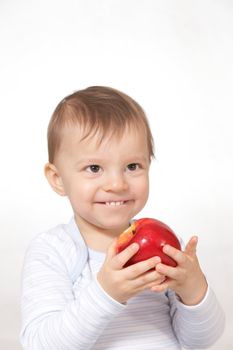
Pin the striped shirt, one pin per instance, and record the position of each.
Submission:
(65, 308)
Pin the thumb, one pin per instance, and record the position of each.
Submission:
(112, 249)
(191, 246)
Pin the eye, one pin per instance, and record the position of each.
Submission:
(133, 166)
(94, 168)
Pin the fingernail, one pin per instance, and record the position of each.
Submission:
(166, 248)
(135, 246)
(157, 259)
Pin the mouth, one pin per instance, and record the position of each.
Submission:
(113, 203)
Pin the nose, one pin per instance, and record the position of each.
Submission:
(115, 183)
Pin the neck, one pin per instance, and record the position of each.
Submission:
(98, 238)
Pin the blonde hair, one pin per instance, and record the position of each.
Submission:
(97, 109)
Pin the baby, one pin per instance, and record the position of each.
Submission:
(76, 292)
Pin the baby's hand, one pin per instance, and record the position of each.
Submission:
(123, 283)
(187, 278)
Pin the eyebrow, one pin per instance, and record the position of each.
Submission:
(89, 160)
(141, 158)
(131, 159)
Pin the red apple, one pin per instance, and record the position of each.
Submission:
(151, 235)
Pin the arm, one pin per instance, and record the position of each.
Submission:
(197, 317)
(198, 326)
(51, 316)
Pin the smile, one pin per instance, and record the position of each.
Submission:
(114, 203)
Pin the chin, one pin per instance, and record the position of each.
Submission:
(115, 226)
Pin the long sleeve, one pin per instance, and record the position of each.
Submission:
(199, 326)
(64, 307)
(52, 318)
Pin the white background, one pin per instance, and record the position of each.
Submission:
(176, 59)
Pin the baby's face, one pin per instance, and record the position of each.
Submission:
(107, 184)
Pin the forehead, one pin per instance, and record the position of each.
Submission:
(75, 142)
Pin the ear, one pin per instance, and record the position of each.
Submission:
(54, 178)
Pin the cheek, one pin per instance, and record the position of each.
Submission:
(79, 189)
(81, 195)
(85, 190)
(142, 187)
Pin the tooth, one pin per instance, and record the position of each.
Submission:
(115, 203)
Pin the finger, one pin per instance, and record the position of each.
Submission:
(111, 251)
(159, 280)
(191, 246)
(162, 287)
(174, 253)
(167, 271)
(142, 267)
(149, 279)
(121, 258)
